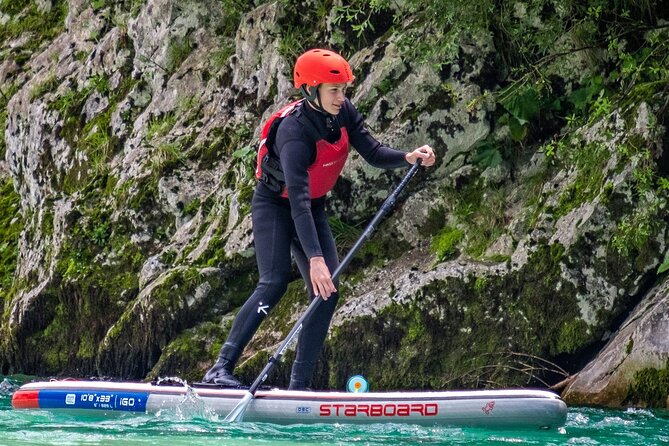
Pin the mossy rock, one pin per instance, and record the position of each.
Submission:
(466, 333)
(191, 353)
(650, 388)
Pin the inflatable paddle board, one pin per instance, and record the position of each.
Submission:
(511, 408)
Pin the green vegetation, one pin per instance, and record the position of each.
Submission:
(573, 336)
(5, 96)
(131, 6)
(650, 387)
(225, 29)
(479, 215)
(47, 85)
(160, 125)
(26, 16)
(345, 234)
(477, 332)
(11, 224)
(445, 243)
(177, 52)
(535, 41)
(564, 79)
(232, 11)
(95, 137)
(96, 273)
(590, 161)
(199, 345)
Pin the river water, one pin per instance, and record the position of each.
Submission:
(192, 426)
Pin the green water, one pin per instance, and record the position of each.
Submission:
(193, 426)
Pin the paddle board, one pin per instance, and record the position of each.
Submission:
(512, 408)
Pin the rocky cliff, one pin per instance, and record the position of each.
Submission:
(533, 253)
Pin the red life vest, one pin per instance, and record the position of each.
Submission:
(326, 168)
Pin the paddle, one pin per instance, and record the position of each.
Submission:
(237, 414)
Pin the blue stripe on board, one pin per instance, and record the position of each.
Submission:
(93, 399)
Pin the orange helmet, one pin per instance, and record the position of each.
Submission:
(319, 66)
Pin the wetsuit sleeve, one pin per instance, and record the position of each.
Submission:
(375, 153)
(296, 152)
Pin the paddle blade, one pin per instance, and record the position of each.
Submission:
(237, 414)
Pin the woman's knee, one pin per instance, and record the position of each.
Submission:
(271, 291)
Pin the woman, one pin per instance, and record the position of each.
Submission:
(306, 149)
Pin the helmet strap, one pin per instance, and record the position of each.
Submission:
(311, 95)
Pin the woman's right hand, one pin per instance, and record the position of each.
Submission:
(424, 153)
(321, 279)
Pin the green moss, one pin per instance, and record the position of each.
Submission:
(465, 332)
(445, 243)
(650, 387)
(573, 336)
(478, 211)
(96, 275)
(95, 138)
(191, 353)
(629, 346)
(87, 349)
(245, 196)
(131, 6)
(227, 142)
(589, 160)
(75, 327)
(480, 284)
(384, 245)
(11, 224)
(142, 195)
(174, 305)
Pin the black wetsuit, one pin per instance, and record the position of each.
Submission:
(299, 224)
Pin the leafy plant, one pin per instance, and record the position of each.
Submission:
(636, 230)
(246, 155)
(522, 106)
(303, 26)
(231, 16)
(360, 15)
(665, 264)
(487, 155)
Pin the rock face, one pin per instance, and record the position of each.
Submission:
(622, 372)
(129, 137)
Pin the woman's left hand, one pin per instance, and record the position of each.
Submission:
(425, 153)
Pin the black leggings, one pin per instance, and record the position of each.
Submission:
(275, 239)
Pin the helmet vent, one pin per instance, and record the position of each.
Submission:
(335, 71)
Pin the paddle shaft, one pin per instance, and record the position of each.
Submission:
(311, 309)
